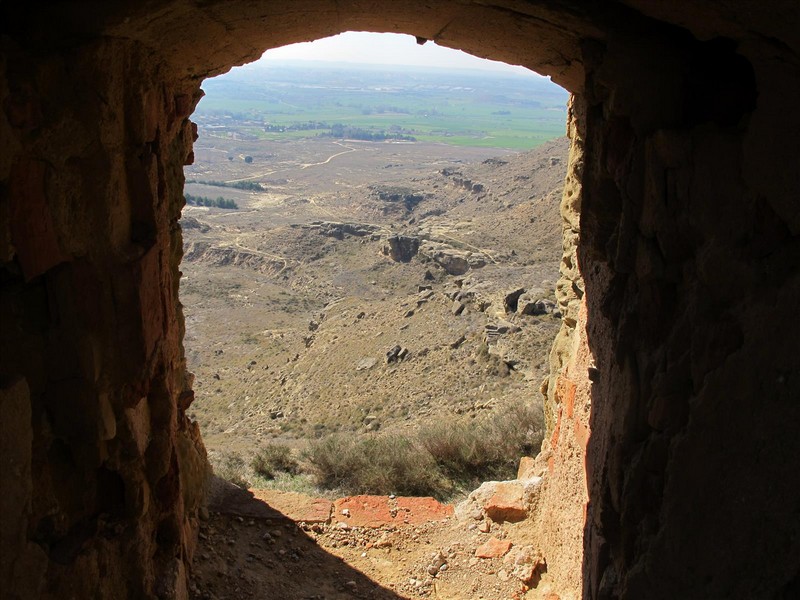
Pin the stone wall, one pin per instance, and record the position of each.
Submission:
(679, 351)
(102, 474)
(689, 252)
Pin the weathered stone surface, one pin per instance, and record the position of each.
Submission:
(363, 511)
(506, 503)
(453, 261)
(377, 511)
(527, 467)
(297, 507)
(415, 511)
(493, 548)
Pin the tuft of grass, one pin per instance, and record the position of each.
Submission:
(231, 467)
(468, 453)
(273, 459)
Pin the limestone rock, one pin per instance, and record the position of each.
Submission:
(527, 467)
(454, 262)
(366, 363)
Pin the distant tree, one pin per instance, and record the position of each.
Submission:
(218, 202)
(248, 159)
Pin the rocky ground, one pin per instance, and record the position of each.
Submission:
(270, 545)
(375, 303)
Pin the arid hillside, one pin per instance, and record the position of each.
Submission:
(367, 287)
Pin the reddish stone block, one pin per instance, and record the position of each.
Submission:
(363, 511)
(297, 507)
(415, 511)
(506, 503)
(493, 548)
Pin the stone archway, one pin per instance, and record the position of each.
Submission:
(685, 133)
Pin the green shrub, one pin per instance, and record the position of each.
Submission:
(273, 459)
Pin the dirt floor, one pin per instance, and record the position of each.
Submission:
(364, 547)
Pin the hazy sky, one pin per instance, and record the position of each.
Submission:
(386, 49)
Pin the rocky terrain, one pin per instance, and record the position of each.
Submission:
(359, 304)
(266, 544)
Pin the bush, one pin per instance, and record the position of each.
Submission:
(376, 465)
(218, 202)
(441, 458)
(273, 459)
(231, 467)
(473, 452)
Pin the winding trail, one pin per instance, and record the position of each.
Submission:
(330, 158)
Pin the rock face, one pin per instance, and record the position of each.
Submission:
(453, 261)
(340, 230)
(402, 248)
(679, 285)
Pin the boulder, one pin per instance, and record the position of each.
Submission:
(535, 303)
(396, 354)
(454, 262)
(366, 363)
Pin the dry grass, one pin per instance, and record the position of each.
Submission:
(379, 464)
(441, 459)
(273, 459)
(231, 467)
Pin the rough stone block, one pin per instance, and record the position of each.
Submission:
(421, 510)
(506, 504)
(493, 548)
(33, 232)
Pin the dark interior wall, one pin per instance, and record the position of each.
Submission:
(688, 247)
(101, 472)
(691, 260)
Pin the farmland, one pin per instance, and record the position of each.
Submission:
(465, 108)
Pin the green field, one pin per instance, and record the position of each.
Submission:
(454, 107)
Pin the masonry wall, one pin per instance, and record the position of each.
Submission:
(690, 252)
(101, 472)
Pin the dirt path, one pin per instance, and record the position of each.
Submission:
(330, 158)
